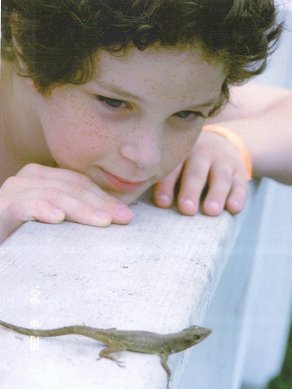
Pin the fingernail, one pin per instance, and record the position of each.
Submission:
(214, 206)
(102, 216)
(188, 205)
(58, 213)
(163, 198)
(235, 204)
(123, 213)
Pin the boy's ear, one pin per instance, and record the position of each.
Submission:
(14, 25)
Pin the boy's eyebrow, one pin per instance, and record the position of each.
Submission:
(116, 90)
(207, 104)
(112, 88)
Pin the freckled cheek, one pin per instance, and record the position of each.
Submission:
(79, 142)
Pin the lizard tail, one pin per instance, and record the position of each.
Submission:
(36, 332)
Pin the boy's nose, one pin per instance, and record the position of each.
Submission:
(144, 151)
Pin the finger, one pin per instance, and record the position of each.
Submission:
(194, 179)
(65, 175)
(80, 212)
(19, 212)
(119, 212)
(163, 191)
(238, 194)
(219, 186)
(51, 206)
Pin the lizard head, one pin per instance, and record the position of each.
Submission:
(195, 334)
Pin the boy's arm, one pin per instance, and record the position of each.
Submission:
(262, 117)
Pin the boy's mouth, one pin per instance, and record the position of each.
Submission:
(121, 184)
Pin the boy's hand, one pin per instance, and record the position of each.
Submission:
(215, 162)
(51, 195)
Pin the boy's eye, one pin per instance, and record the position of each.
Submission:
(187, 114)
(114, 103)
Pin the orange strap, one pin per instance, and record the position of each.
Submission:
(236, 141)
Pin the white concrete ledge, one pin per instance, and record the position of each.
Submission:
(159, 273)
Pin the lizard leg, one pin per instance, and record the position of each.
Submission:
(163, 361)
(106, 353)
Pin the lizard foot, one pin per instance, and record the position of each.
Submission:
(118, 362)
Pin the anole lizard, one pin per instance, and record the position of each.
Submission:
(121, 340)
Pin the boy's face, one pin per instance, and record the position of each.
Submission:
(135, 121)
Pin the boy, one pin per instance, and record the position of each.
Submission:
(102, 100)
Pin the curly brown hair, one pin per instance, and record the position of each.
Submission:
(59, 38)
